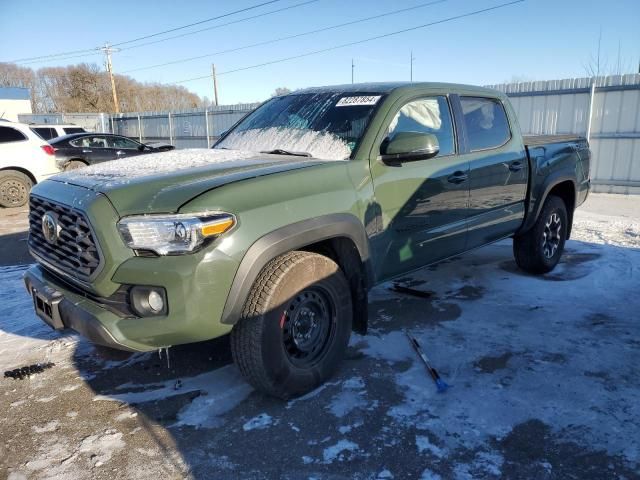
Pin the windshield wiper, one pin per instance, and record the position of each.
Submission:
(280, 151)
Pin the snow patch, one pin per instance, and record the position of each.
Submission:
(220, 391)
(323, 145)
(335, 452)
(156, 164)
(259, 422)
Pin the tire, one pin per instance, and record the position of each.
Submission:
(74, 165)
(279, 345)
(539, 249)
(14, 188)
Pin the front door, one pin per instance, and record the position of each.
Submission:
(422, 204)
(124, 147)
(498, 171)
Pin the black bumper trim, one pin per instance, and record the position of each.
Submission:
(71, 316)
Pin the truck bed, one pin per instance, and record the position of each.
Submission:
(537, 140)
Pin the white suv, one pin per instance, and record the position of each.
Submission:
(49, 131)
(25, 159)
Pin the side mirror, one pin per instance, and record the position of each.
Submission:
(141, 148)
(409, 147)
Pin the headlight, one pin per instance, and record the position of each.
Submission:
(173, 234)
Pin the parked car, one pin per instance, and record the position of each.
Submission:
(48, 131)
(277, 233)
(25, 159)
(81, 149)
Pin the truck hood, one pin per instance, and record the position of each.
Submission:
(163, 182)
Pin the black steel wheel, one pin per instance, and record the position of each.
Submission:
(307, 325)
(295, 325)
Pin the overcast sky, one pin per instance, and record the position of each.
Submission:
(533, 40)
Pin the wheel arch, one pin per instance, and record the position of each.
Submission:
(562, 185)
(341, 237)
(21, 170)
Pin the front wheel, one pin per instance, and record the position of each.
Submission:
(295, 325)
(539, 249)
(14, 188)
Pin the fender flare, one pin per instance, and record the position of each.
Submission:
(286, 239)
(550, 182)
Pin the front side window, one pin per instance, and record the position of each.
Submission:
(327, 125)
(122, 142)
(8, 134)
(485, 122)
(427, 115)
(90, 142)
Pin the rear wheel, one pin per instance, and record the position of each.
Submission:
(539, 249)
(74, 165)
(14, 188)
(295, 326)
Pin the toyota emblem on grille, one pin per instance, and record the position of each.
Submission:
(50, 227)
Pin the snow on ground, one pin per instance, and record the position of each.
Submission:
(544, 374)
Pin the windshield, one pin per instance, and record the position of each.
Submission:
(325, 125)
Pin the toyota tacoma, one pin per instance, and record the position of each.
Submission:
(277, 233)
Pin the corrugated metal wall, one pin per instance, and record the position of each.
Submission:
(562, 106)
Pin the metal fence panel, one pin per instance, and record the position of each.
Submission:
(562, 106)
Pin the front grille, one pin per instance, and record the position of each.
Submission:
(76, 251)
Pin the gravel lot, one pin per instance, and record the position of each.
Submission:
(545, 374)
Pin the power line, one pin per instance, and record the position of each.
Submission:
(198, 23)
(288, 37)
(358, 42)
(290, 7)
(73, 52)
(91, 53)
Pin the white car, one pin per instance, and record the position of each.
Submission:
(49, 131)
(25, 159)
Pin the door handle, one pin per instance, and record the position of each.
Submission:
(120, 152)
(515, 166)
(457, 177)
(87, 151)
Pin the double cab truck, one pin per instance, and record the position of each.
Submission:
(277, 233)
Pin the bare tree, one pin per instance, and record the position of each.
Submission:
(86, 88)
(280, 91)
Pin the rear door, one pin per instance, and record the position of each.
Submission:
(498, 169)
(422, 204)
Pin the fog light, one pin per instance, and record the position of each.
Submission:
(156, 303)
(148, 301)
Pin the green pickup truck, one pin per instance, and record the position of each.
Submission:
(277, 233)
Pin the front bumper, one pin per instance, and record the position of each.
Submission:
(196, 286)
(61, 310)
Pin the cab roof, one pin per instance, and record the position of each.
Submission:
(388, 87)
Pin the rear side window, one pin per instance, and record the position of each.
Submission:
(73, 130)
(8, 134)
(90, 142)
(485, 122)
(45, 133)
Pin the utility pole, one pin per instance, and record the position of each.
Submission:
(411, 66)
(352, 67)
(108, 50)
(215, 83)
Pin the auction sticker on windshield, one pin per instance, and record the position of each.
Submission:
(357, 101)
